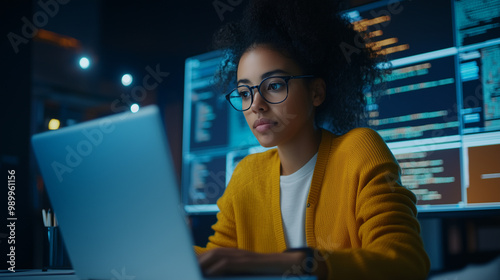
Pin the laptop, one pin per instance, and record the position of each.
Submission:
(112, 186)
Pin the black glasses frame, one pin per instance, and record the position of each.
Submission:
(252, 92)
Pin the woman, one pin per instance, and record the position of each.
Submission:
(328, 200)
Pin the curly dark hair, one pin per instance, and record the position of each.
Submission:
(313, 34)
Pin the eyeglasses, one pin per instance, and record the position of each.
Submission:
(274, 90)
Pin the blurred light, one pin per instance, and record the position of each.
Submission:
(127, 79)
(58, 39)
(84, 63)
(54, 124)
(134, 108)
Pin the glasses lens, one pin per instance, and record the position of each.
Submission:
(274, 90)
(241, 98)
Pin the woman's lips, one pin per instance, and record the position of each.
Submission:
(263, 125)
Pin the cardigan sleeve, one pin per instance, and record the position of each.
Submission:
(385, 213)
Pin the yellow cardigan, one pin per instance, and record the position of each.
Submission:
(357, 215)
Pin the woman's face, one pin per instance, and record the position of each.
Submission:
(276, 124)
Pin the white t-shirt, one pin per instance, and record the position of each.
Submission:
(294, 189)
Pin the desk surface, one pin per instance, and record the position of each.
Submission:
(37, 274)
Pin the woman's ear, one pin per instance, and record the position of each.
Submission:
(318, 90)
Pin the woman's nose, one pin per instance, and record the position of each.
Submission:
(259, 104)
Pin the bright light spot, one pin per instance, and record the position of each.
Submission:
(134, 108)
(84, 63)
(54, 124)
(127, 80)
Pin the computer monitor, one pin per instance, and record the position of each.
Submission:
(439, 111)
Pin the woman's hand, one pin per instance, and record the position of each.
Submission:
(231, 261)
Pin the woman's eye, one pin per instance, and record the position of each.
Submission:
(244, 94)
(275, 86)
